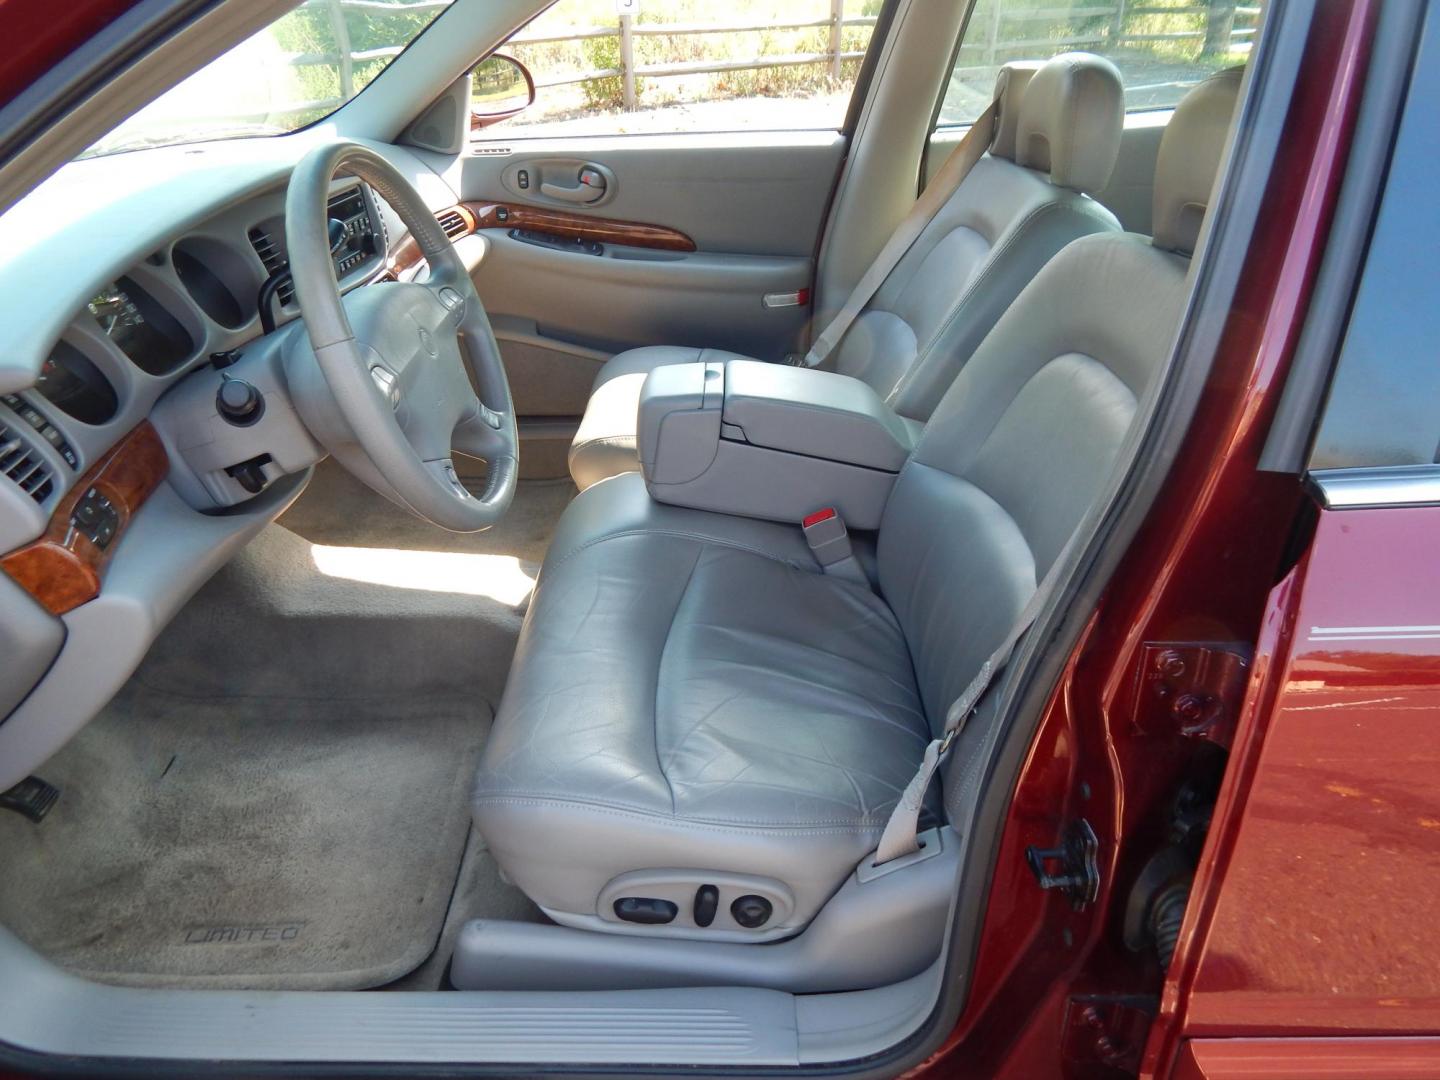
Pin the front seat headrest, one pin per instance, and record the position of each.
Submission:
(1189, 158)
(1071, 117)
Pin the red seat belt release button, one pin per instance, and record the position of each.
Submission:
(827, 536)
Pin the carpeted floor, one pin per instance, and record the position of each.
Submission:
(272, 843)
(338, 509)
(278, 798)
(480, 893)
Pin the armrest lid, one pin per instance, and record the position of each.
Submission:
(815, 413)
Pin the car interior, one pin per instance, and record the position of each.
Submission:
(450, 618)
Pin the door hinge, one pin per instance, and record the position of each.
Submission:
(1105, 1034)
(1194, 689)
(1072, 868)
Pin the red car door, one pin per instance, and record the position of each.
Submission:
(1310, 948)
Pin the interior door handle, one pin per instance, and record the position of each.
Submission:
(589, 187)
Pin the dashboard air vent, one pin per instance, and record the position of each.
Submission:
(453, 222)
(273, 258)
(21, 464)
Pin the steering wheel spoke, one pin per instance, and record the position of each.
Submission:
(411, 372)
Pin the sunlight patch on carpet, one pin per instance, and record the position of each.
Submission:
(499, 577)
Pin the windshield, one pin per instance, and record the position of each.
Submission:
(298, 70)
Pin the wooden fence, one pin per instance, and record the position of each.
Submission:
(1229, 27)
(1222, 31)
(627, 30)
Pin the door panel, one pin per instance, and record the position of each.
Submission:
(631, 296)
(750, 204)
(752, 193)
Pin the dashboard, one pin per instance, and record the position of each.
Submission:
(211, 288)
(128, 282)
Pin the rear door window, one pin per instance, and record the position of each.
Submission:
(1161, 49)
(1384, 402)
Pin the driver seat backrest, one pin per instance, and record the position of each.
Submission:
(1023, 442)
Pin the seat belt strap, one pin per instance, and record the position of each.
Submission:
(903, 829)
(952, 174)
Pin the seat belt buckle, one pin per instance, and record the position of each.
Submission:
(827, 536)
(829, 542)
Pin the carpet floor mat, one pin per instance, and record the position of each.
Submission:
(232, 842)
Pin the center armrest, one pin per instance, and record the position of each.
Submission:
(816, 413)
(769, 441)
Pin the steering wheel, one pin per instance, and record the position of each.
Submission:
(412, 370)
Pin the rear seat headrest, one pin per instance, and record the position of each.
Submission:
(1189, 159)
(1070, 119)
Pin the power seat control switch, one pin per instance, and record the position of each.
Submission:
(707, 903)
(645, 909)
(751, 912)
(95, 517)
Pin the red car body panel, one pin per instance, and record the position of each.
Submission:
(1200, 571)
(1314, 906)
(1325, 917)
(1324, 1059)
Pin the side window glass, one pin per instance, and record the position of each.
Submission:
(1384, 402)
(1161, 49)
(619, 67)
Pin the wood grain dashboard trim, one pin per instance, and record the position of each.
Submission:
(495, 215)
(62, 569)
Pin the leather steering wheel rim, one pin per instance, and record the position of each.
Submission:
(398, 357)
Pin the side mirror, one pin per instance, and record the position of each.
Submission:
(501, 87)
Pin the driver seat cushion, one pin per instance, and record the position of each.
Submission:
(690, 692)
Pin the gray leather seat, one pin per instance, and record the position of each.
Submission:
(1056, 139)
(693, 701)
